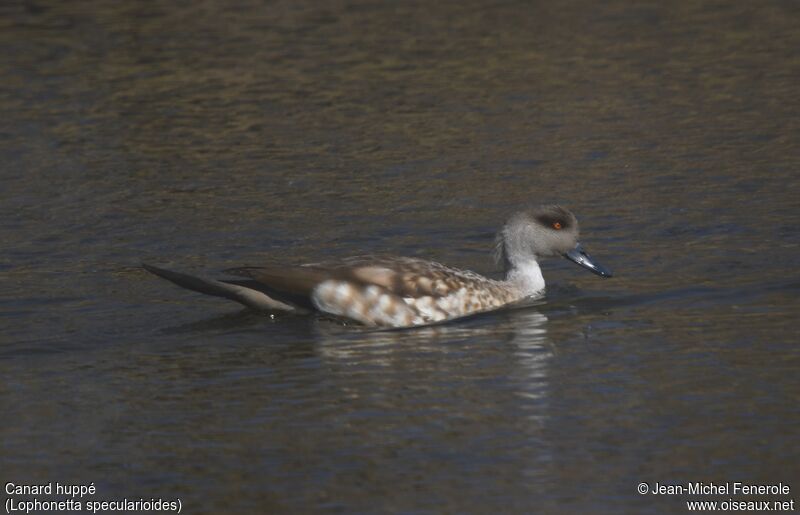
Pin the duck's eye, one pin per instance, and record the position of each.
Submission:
(557, 226)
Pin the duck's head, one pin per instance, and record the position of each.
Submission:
(543, 231)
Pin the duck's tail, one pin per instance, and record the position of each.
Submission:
(243, 295)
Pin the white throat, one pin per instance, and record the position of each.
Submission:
(527, 276)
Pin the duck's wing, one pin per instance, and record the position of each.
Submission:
(404, 277)
(376, 290)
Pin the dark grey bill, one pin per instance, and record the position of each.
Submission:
(579, 256)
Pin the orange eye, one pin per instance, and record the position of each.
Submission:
(557, 225)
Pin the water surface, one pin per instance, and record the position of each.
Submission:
(206, 135)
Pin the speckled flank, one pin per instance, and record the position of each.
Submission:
(376, 305)
(370, 305)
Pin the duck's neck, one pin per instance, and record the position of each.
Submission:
(525, 275)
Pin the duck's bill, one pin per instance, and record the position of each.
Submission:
(579, 256)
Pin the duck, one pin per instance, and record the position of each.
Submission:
(397, 292)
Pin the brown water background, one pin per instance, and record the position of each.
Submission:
(207, 134)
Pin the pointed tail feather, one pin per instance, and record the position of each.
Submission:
(241, 294)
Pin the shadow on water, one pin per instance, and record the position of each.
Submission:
(522, 317)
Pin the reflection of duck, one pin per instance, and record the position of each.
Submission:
(400, 291)
(522, 333)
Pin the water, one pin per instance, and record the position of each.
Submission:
(201, 136)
